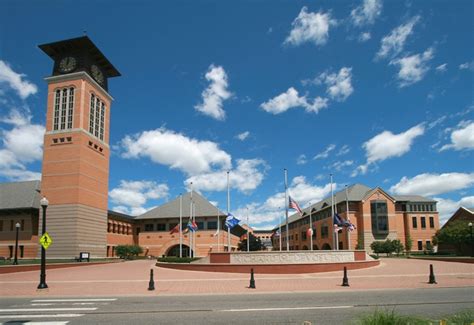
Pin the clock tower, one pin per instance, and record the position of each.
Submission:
(75, 169)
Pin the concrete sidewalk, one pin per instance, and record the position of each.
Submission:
(131, 279)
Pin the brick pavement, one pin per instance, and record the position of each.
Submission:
(131, 278)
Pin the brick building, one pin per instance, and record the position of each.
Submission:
(376, 214)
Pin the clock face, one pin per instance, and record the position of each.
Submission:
(97, 74)
(67, 64)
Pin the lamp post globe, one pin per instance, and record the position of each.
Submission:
(42, 285)
(15, 261)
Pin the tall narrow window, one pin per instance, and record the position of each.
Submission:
(63, 109)
(97, 117)
(423, 222)
(379, 214)
(431, 222)
(415, 224)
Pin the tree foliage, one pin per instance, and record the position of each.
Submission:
(128, 251)
(456, 233)
(388, 247)
(255, 244)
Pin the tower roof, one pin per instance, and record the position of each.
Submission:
(81, 44)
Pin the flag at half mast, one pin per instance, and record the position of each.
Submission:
(293, 205)
(231, 221)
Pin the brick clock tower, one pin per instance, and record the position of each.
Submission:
(76, 154)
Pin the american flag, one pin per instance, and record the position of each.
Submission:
(293, 205)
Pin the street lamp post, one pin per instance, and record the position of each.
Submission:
(42, 285)
(471, 242)
(15, 261)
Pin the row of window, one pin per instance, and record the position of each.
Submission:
(64, 111)
(427, 245)
(421, 207)
(13, 223)
(209, 225)
(414, 221)
(119, 229)
(21, 251)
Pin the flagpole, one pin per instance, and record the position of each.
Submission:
(286, 211)
(218, 229)
(279, 236)
(348, 220)
(194, 232)
(311, 227)
(191, 253)
(180, 225)
(337, 232)
(228, 211)
(332, 214)
(248, 233)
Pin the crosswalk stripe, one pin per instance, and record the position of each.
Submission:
(44, 323)
(44, 309)
(74, 300)
(42, 316)
(71, 303)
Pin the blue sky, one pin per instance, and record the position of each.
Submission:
(375, 92)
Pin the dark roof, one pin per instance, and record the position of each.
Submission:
(119, 215)
(20, 195)
(57, 49)
(412, 198)
(203, 208)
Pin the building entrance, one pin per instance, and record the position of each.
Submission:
(174, 251)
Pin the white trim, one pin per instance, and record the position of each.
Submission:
(78, 75)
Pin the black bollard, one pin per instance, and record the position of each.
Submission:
(151, 284)
(252, 280)
(345, 280)
(432, 276)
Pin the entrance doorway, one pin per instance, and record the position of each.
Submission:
(174, 251)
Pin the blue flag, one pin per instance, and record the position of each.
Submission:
(231, 221)
(337, 220)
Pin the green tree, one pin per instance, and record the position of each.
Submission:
(456, 233)
(128, 251)
(397, 246)
(408, 244)
(255, 244)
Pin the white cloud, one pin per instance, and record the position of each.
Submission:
(325, 153)
(387, 145)
(344, 150)
(447, 207)
(467, 66)
(310, 27)
(413, 68)
(441, 68)
(364, 37)
(242, 136)
(339, 85)
(176, 150)
(302, 160)
(131, 196)
(267, 214)
(15, 81)
(433, 184)
(393, 43)
(21, 145)
(291, 99)
(367, 12)
(214, 95)
(246, 177)
(461, 138)
(339, 165)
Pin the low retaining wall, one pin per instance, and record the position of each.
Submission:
(279, 262)
(270, 268)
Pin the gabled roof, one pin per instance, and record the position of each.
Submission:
(368, 194)
(203, 208)
(412, 198)
(20, 195)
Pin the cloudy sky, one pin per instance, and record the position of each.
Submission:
(375, 92)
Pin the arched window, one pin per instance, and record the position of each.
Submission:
(97, 117)
(63, 109)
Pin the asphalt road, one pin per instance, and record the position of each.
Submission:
(275, 308)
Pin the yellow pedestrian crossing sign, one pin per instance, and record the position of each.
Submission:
(45, 240)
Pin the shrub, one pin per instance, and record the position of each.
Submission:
(128, 251)
(390, 317)
(463, 317)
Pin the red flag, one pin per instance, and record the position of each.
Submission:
(293, 205)
(175, 229)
